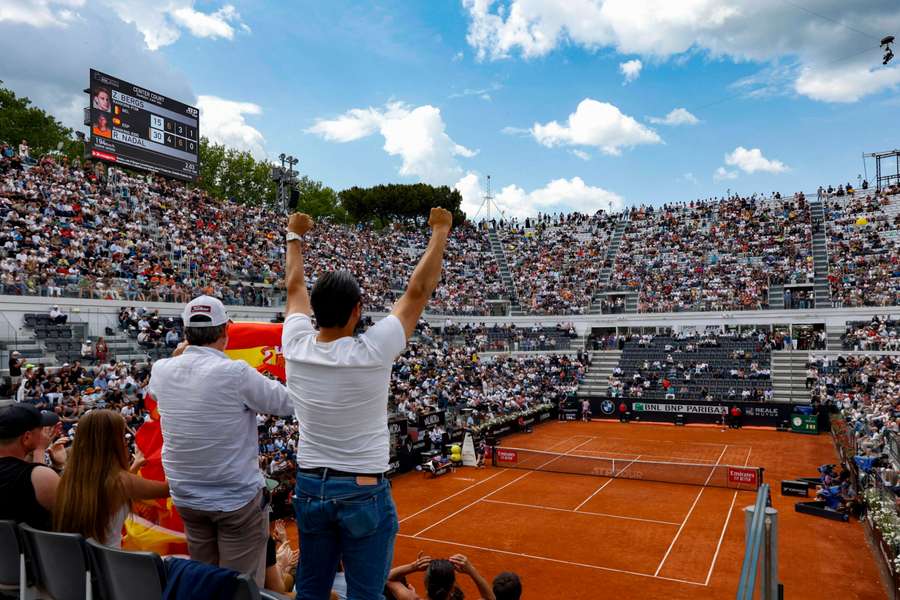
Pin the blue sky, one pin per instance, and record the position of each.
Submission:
(531, 92)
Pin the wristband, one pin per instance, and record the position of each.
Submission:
(291, 236)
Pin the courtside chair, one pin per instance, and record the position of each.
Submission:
(61, 563)
(123, 575)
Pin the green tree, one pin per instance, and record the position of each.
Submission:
(235, 175)
(20, 120)
(319, 200)
(399, 202)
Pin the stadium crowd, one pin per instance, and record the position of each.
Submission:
(79, 230)
(866, 389)
(865, 256)
(719, 255)
(435, 374)
(556, 260)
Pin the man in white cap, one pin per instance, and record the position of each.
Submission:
(207, 405)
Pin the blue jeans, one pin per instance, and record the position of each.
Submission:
(339, 520)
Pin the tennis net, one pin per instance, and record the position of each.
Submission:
(713, 475)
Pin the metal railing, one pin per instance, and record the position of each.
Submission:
(760, 569)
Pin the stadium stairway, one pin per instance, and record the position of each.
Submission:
(789, 376)
(609, 261)
(505, 274)
(776, 296)
(821, 287)
(834, 337)
(597, 375)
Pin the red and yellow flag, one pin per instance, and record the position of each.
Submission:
(259, 345)
(154, 525)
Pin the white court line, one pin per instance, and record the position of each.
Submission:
(725, 526)
(649, 457)
(688, 516)
(554, 560)
(506, 485)
(469, 487)
(605, 483)
(581, 512)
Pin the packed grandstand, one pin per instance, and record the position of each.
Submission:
(521, 329)
(71, 232)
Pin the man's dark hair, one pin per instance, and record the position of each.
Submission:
(507, 586)
(333, 298)
(204, 336)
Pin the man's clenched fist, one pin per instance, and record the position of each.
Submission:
(300, 223)
(440, 217)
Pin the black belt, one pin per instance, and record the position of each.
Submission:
(325, 472)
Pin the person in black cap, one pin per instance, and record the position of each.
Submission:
(28, 489)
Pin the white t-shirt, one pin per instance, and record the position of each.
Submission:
(340, 393)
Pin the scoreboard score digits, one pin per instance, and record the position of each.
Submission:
(137, 128)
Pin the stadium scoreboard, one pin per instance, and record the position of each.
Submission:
(134, 127)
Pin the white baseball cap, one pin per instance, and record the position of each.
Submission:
(210, 309)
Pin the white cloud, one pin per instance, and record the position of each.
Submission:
(483, 93)
(354, 124)
(40, 13)
(722, 173)
(689, 177)
(209, 25)
(48, 60)
(631, 70)
(515, 131)
(846, 84)
(223, 121)
(741, 30)
(417, 135)
(581, 154)
(677, 116)
(598, 124)
(159, 21)
(558, 195)
(751, 161)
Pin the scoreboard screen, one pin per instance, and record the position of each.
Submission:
(134, 127)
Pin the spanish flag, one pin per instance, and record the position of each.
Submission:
(154, 525)
(259, 345)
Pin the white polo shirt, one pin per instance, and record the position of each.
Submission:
(207, 406)
(340, 393)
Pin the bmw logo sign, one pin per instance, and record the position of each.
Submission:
(607, 407)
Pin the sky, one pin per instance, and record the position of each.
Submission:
(567, 104)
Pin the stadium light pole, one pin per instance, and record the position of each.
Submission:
(284, 175)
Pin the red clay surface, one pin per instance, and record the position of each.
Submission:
(587, 537)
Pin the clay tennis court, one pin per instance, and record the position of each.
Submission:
(587, 536)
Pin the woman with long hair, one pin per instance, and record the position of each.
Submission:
(97, 487)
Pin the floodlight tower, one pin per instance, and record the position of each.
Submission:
(487, 199)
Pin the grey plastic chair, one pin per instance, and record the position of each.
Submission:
(12, 560)
(248, 590)
(60, 562)
(123, 575)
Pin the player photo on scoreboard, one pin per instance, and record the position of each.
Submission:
(102, 99)
(101, 126)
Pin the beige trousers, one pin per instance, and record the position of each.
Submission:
(233, 540)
